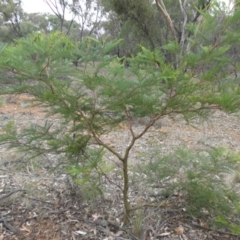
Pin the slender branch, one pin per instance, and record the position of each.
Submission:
(161, 7)
(96, 137)
(11, 193)
(129, 116)
(34, 78)
(183, 10)
(53, 5)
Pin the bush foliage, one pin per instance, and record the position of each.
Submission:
(83, 103)
(201, 178)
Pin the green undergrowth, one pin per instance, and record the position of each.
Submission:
(206, 181)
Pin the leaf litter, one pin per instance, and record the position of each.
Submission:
(36, 203)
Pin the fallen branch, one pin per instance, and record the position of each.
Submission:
(11, 193)
(213, 230)
(8, 226)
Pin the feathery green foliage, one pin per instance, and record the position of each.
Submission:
(84, 103)
(200, 178)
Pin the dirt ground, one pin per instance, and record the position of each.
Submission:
(39, 204)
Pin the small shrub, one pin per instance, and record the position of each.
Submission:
(83, 104)
(137, 224)
(200, 178)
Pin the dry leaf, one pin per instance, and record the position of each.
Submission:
(123, 126)
(164, 234)
(118, 234)
(80, 232)
(179, 230)
(95, 216)
(24, 228)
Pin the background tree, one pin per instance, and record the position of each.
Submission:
(87, 14)
(60, 9)
(236, 3)
(137, 20)
(11, 16)
(144, 22)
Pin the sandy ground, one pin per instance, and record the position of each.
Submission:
(42, 205)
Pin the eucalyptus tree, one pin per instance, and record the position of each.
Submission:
(137, 23)
(87, 14)
(153, 23)
(60, 9)
(11, 14)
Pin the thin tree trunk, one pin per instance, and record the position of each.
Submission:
(161, 7)
(183, 32)
(125, 192)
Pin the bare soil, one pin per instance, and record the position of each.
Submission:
(37, 203)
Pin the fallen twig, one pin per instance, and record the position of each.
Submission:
(9, 194)
(39, 200)
(213, 230)
(8, 226)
